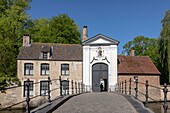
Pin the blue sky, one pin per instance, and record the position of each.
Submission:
(122, 20)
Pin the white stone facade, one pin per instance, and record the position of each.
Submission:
(108, 56)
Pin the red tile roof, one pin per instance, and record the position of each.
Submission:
(136, 65)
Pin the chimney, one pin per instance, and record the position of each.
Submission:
(84, 34)
(132, 52)
(26, 40)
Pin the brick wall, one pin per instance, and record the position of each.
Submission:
(152, 80)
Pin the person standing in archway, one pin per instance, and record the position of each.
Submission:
(101, 87)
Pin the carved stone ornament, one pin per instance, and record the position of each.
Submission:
(100, 52)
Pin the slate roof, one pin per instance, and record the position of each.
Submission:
(136, 65)
(73, 52)
(60, 52)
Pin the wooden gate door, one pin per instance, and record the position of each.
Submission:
(99, 71)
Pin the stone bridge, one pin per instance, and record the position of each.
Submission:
(102, 102)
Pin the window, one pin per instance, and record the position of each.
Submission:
(45, 55)
(64, 69)
(28, 69)
(45, 69)
(30, 88)
(44, 88)
(65, 87)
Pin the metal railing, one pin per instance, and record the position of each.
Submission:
(123, 90)
(76, 88)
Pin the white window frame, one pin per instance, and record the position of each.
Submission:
(28, 68)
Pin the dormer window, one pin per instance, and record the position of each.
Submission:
(45, 55)
(46, 52)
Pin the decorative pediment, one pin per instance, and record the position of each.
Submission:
(100, 40)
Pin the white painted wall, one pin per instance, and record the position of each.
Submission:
(109, 52)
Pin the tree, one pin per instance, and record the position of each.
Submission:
(143, 46)
(58, 29)
(12, 21)
(164, 49)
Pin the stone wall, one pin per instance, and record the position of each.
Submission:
(15, 95)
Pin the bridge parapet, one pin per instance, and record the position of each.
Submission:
(35, 94)
(145, 92)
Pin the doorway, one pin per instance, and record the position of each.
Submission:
(99, 76)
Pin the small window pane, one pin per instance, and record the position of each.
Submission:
(47, 72)
(67, 72)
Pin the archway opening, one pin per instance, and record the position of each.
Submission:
(100, 77)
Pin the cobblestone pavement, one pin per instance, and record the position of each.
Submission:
(96, 103)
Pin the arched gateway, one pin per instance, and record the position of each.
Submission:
(99, 76)
(99, 62)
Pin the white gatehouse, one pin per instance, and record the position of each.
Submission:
(100, 63)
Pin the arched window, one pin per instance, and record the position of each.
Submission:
(65, 69)
(28, 69)
(45, 69)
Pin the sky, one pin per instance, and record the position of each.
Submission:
(122, 20)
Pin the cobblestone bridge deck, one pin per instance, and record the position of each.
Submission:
(100, 103)
(97, 103)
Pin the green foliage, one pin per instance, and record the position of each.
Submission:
(12, 19)
(164, 49)
(58, 29)
(14, 22)
(143, 46)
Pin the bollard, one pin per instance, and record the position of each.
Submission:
(60, 86)
(49, 97)
(76, 86)
(79, 87)
(122, 87)
(146, 102)
(136, 88)
(72, 86)
(165, 90)
(130, 80)
(68, 86)
(28, 94)
(125, 87)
